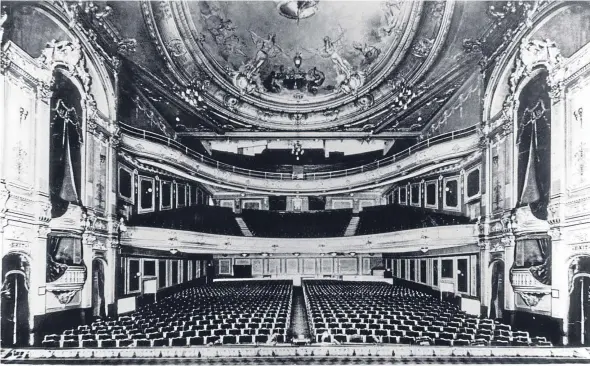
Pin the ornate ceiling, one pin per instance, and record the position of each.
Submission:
(289, 65)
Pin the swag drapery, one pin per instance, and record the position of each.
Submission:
(65, 170)
(534, 150)
(62, 252)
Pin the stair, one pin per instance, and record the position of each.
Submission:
(299, 323)
(242, 224)
(352, 225)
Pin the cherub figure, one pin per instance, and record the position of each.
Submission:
(267, 48)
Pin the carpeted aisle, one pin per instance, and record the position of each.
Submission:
(299, 324)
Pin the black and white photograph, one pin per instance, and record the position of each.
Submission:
(290, 182)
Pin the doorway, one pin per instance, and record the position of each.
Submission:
(497, 286)
(98, 302)
(15, 301)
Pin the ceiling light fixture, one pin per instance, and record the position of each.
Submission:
(297, 150)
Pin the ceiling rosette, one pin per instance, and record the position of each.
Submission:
(320, 69)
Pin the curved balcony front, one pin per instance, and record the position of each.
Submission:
(166, 154)
(400, 241)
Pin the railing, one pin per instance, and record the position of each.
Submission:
(154, 137)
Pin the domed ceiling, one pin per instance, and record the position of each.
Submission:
(299, 65)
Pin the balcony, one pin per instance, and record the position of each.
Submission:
(165, 153)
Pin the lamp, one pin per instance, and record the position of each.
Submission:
(333, 254)
(264, 254)
(244, 254)
(173, 251)
(352, 254)
(298, 60)
(297, 254)
(424, 249)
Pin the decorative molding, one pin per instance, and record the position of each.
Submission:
(532, 299)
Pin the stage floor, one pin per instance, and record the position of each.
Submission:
(291, 355)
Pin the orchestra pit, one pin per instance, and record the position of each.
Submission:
(295, 182)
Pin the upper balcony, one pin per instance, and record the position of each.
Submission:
(167, 154)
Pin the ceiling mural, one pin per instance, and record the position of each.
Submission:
(311, 50)
(300, 65)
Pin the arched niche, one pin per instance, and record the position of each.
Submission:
(32, 26)
(66, 143)
(578, 319)
(532, 143)
(550, 16)
(496, 305)
(99, 267)
(15, 300)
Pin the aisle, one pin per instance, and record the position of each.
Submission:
(299, 325)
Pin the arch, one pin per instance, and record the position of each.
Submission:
(501, 87)
(91, 62)
(496, 305)
(15, 325)
(98, 287)
(578, 274)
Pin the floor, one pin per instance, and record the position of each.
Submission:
(299, 324)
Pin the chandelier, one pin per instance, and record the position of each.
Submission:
(297, 150)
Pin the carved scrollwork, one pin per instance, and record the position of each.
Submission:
(68, 54)
(531, 54)
(532, 299)
(127, 46)
(65, 296)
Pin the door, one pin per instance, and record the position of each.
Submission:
(15, 309)
(497, 286)
(98, 302)
(579, 312)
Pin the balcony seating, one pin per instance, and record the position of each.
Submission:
(394, 217)
(338, 312)
(194, 317)
(201, 218)
(317, 224)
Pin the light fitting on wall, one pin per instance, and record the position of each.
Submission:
(244, 255)
(424, 249)
(297, 254)
(173, 251)
(333, 254)
(264, 254)
(352, 254)
(297, 150)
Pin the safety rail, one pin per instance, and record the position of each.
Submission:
(154, 137)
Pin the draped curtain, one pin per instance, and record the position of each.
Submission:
(534, 147)
(62, 252)
(534, 254)
(65, 169)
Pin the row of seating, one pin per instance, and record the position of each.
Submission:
(317, 224)
(378, 219)
(364, 312)
(220, 313)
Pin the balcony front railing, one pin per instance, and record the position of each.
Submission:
(158, 138)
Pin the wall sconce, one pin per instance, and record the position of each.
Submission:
(424, 249)
(352, 254)
(297, 254)
(333, 254)
(244, 255)
(264, 254)
(173, 251)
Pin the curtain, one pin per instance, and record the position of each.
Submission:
(65, 155)
(534, 254)
(534, 147)
(62, 252)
